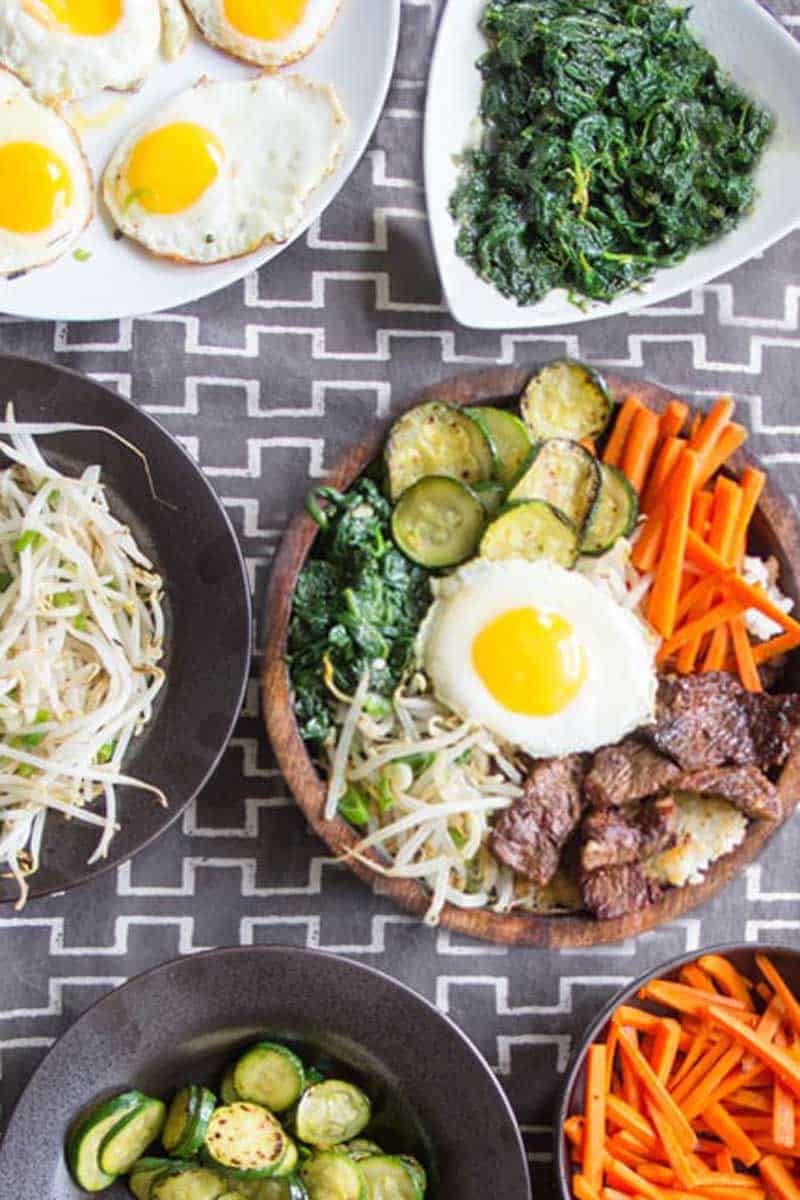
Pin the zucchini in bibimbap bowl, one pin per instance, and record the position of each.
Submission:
(281, 1128)
(535, 649)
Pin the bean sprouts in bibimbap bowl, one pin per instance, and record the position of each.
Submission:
(531, 648)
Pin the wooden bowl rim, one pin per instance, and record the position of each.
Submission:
(522, 928)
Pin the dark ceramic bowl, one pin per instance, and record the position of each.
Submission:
(432, 1092)
(743, 958)
(185, 531)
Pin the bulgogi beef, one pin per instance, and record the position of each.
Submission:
(530, 835)
(747, 788)
(613, 891)
(628, 771)
(613, 836)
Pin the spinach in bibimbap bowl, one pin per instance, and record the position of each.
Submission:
(531, 648)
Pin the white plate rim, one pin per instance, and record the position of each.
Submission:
(476, 304)
(199, 282)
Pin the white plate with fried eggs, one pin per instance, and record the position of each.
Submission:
(146, 249)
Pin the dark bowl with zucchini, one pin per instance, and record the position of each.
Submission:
(263, 1073)
(498, 464)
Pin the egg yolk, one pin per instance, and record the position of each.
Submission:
(35, 187)
(89, 18)
(530, 662)
(170, 168)
(268, 20)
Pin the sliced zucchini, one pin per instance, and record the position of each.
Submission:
(189, 1183)
(288, 1164)
(84, 1142)
(614, 514)
(227, 1092)
(388, 1178)
(332, 1175)
(232, 1196)
(532, 529)
(362, 1148)
(509, 438)
(144, 1172)
(273, 1189)
(417, 1170)
(127, 1141)
(269, 1074)
(245, 1140)
(565, 474)
(491, 495)
(566, 399)
(436, 439)
(438, 521)
(332, 1112)
(187, 1120)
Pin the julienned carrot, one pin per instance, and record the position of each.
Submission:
(628, 1118)
(730, 981)
(661, 469)
(754, 596)
(725, 511)
(750, 1098)
(778, 1179)
(666, 1041)
(663, 599)
(640, 446)
(583, 1189)
(635, 1018)
(732, 437)
(752, 484)
(711, 426)
(699, 1044)
(685, 998)
(782, 644)
(573, 1130)
(725, 1161)
(717, 652)
(594, 1115)
(726, 1127)
(653, 1085)
(627, 1178)
(783, 1064)
(745, 663)
(791, 1006)
(696, 976)
(720, 613)
(783, 1117)
(678, 1158)
(616, 442)
(687, 1085)
(673, 418)
(700, 1098)
(631, 1092)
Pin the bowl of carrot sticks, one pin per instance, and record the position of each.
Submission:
(687, 1086)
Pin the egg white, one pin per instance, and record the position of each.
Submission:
(24, 119)
(59, 65)
(216, 28)
(280, 135)
(618, 693)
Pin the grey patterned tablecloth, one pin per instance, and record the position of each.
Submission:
(264, 384)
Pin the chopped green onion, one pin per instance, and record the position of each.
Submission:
(418, 762)
(6, 579)
(386, 796)
(81, 623)
(81, 255)
(457, 838)
(31, 537)
(106, 752)
(353, 808)
(64, 599)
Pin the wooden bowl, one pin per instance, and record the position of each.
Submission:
(742, 956)
(776, 530)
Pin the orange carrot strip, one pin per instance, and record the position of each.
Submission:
(663, 599)
(752, 485)
(631, 1092)
(616, 443)
(657, 1173)
(781, 989)
(594, 1112)
(677, 1156)
(725, 515)
(782, 644)
(573, 1130)
(589, 445)
(725, 1161)
(635, 1018)
(653, 1085)
(745, 1078)
(697, 596)
(720, 613)
(673, 418)
(618, 1112)
(662, 467)
(729, 980)
(729, 1193)
(779, 1181)
(752, 1099)
(695, 976)
(752, 595)
(783, 1064)
(745, 663)
(729, 441)
(628, 1179)
(718, 647)
(582, 1189)
(730, 1131)
(699, 1072)
(711, 426)
(697, 1101)
(726, 1179)
(640, 446)
(613, 1194)
(684, 998)
(699, 1043)
(783, 1118)
(611, 1053)
(666, 1041)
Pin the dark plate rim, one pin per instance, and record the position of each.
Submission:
(277, 950)
(175, 810)
(560, 1163)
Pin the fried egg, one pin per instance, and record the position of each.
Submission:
(70, 49)
(539, 656)
(269, 34)
(225, 166)
(45, 183)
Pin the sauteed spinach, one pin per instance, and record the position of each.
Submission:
(357, 605)
(613, 145)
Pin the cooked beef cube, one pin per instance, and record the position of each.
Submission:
(612, 836)
(613, 891)
(774, 724)
(627, 771)
(702, 720)
(529, 836)
(745, 787)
